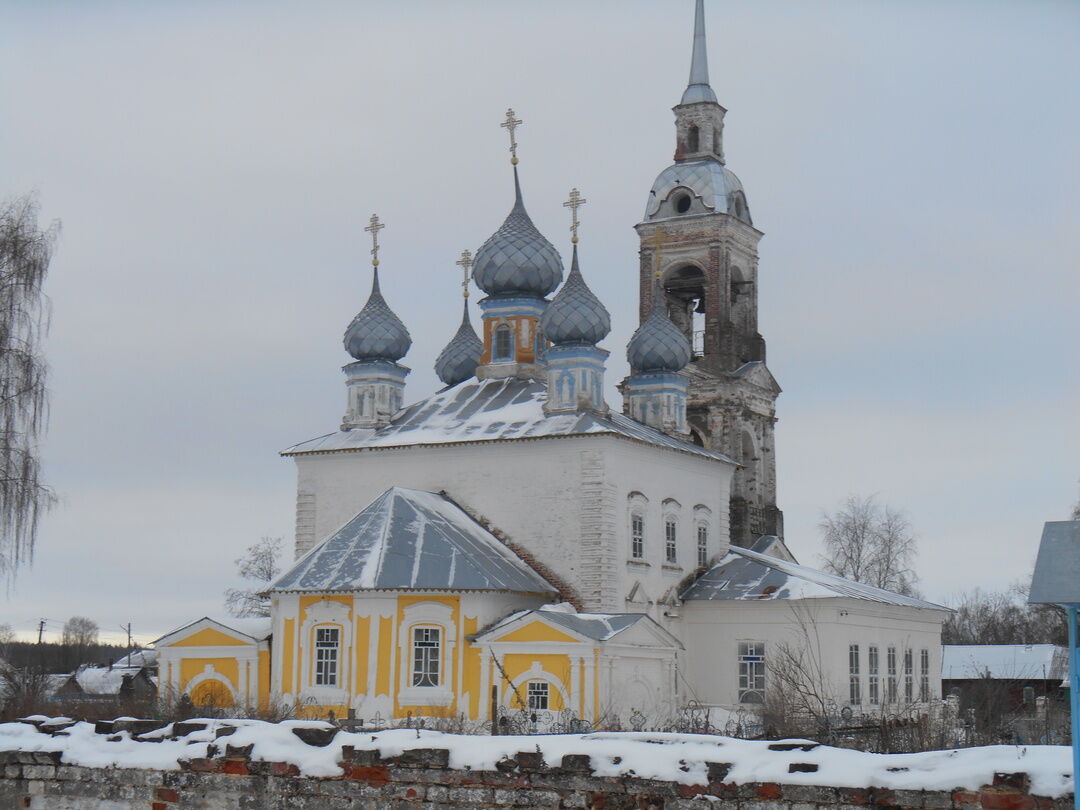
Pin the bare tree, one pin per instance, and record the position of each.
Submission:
(7, 634)
(25, 251)
(80, 631)
(870, 543)
(259, 565)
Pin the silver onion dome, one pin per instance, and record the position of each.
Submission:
(575, 315)
(376, 333)
(517, 259)
(658, 344)
(458, 361)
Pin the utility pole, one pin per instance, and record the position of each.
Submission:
(127, 627)
(41, 630)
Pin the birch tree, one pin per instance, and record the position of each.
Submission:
(870, 543)
(25, 251)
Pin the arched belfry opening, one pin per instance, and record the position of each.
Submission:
(693, 138)
(685, 288)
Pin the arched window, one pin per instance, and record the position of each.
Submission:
(327, 652)
(637, 535)
(671, 540)
(427, 646)
(504, 344)
(692, 139)
(716, 141)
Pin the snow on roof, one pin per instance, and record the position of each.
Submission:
(597, 626)
(1042, 662)
(412, 539)
(103, 680)
(256, 628)
(138, 658)
(746, 574)
(487, 411)
(679, 758)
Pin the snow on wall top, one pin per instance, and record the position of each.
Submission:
(746, 574)
(1044, 662)
(680, 758)
(412, 539)
(486, 411)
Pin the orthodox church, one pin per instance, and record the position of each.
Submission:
(513, 541)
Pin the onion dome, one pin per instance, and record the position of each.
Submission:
(458, 361)
(575, 315)
(658, 344)
(517, 259)
(376, 333)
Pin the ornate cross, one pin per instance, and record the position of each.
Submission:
(574, 203)
(511, 124)
(374, 226)
(465, 263)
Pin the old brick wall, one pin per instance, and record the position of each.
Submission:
(421, 778)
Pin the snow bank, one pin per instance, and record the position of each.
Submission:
(670, 757)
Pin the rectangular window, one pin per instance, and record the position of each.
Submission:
(909, 676)
(671, 539)
(890, 662)
(425, 656)
(702, 546)
(751, 671)
(326, 656)
(924, 675)
(854, 676)
(637, 537)
(538, 696)
(872, 676)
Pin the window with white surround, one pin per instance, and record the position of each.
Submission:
(538, 695)
(909, 676)
(503, 350)
(873, 685)
(637, 535)
(671, 540)
(427, 643)
(924, 675)
(890, 662)
(854, 676)
(327, 651)
(751, 672)
(702, 545)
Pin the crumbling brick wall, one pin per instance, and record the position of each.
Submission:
(421, 779)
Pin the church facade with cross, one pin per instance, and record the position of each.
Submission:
(514, 543)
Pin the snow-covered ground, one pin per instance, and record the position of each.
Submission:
(672, 757)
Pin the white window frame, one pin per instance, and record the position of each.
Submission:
(496, 355)
(637, 535)
(671, 540)
(854, 676)
(890, 681)
(909, 675)
(702, 544)
(924, 675)
(426, 657)
(873, 666)
(537, 693)
(327, 655)
(752, 669)
(433, 615)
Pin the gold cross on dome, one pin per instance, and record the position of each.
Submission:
(465, 263)
(574, 203)
(374, 226)
(511, 123)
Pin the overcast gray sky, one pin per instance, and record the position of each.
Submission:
(913, 165)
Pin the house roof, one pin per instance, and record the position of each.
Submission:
(104, 680)
(412, 539)
(1057, 569)
(255, 628)
(1028, 662)
(743, 574)
(491, 410)
(595, 626)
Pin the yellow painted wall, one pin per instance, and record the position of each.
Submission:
(211, 637)
(226, 667)
(362, 638)
(537, 631)
(448, 664)
(385, 658)
(517, 664)
(471, 676)
(264, 679)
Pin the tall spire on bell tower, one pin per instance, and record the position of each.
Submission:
(698, 89)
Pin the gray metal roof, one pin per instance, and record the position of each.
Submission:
(658, 344)
(498, 409)
(1056, 579)
(698, 89)
(376, 333)
(597, 626)
(575, 314)
(747, 575)
(458, 361)
(412, 539)
(517, 259)
(707, 178)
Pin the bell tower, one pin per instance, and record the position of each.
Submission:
(698, 231)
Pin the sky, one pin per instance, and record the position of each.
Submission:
(913, 166)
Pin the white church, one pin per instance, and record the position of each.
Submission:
(515, 541)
